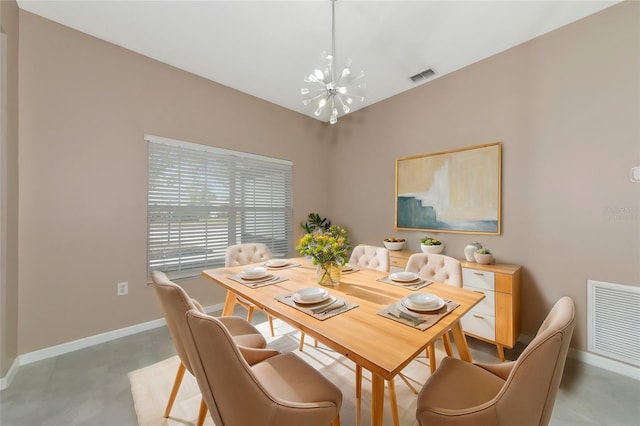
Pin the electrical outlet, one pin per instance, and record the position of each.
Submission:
(123, 289)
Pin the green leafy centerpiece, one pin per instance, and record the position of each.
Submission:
(328, 249)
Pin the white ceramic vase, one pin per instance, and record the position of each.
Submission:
(470, 249)
(483, 259)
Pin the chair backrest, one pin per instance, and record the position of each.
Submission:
(531, 387)
(175, 302)
(244, 254)
(370, 257)
(437, 267)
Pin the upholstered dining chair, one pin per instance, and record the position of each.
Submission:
(372, 257)
(443, 269)
(244, 254)
(175, 302)
(279, 390)
(516, 393)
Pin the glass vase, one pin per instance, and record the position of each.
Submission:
(328, 273)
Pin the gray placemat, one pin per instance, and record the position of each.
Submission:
(401, 314)
(268, 280)
(417, 285)
(337, 307)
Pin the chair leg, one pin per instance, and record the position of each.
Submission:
(250, 314)
(202, 413)
(394, 402)
(271, 325)
(358, 393)
(174, 390)
(431, 350)
(447, 343)
(336, 421)
(301, 345)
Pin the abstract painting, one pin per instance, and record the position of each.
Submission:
(454, 191)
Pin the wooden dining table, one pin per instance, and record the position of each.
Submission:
(378, 344)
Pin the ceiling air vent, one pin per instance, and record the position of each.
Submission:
(423, 75)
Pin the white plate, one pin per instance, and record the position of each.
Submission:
(326, 298)
(276, 263)
(253, 273)
(348, 267)
(407, 304)
(424, 300)
(404, 277)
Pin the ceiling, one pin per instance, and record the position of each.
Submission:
(266, 48)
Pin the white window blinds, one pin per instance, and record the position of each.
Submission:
(203, 199)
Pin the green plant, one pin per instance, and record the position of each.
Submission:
(325, 246)
(314, 222)
(428, 241)
(483, 251)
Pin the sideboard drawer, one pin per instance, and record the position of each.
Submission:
(480, 325)
(479, 279)
(397, 262)
(487, 305)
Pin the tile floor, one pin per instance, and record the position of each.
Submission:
(91, 386)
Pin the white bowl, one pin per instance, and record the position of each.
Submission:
(423, 300)
(255, 272)
(394, 245)
(311, 294)
(483, 259)
(432, 249)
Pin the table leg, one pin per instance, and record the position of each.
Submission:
(461, 342)
(229, 303)
(377, 399)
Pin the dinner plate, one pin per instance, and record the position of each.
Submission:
(424, 300)
(276, 263)
(312, 294)
(346, 268)
(407, 304)
(326, 298)
(404, 277)
(253, 274)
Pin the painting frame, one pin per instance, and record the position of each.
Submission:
(456, 191)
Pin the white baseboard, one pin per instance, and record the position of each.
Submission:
(72, 346)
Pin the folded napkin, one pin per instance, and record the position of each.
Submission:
(399, 313)
(261, 282)
(321, 310)
(288, 265)
(411, 285)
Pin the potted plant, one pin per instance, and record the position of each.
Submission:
(328, 250)
(314, 222)
(431, 245)
(483, 256)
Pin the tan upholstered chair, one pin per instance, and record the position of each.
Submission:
(175, 303)
(280, 390)
(371, 257)
(516, 393)
(244, 254)
(443, 269)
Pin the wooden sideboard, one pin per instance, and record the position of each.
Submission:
(497, 318)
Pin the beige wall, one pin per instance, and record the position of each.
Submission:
(9, 234)
(566, 107)
(85, 106)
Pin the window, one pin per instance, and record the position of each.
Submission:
(202, 199)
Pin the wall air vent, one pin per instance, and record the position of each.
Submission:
(423, 75)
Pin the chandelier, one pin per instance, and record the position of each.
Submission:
(327, 91)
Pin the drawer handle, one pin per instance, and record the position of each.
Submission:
(478, 273)
(478, 316)
(481, 292)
